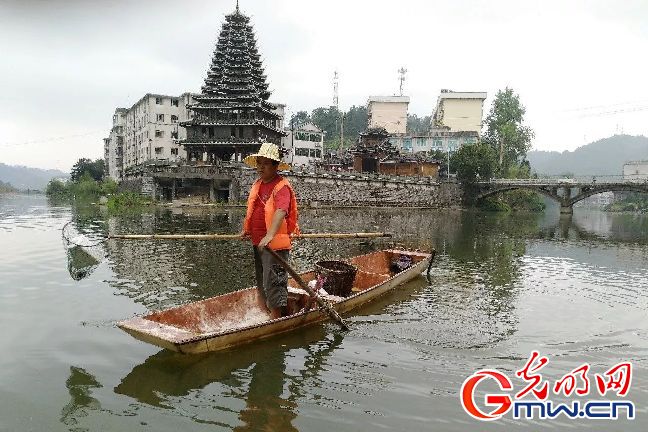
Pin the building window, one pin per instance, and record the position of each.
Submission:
(158, 150)
(174, 151)
(158, 101)
(159, 134)
(174, 134)
(174, 102)
(160, 117)
(174, 118)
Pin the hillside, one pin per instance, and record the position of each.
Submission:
(24, 178)
(603, 157)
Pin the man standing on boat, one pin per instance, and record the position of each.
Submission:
(270, 220)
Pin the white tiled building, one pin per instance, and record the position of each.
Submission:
(389, 112)
(304, 145)
(152, 130)
(114, 145)
(635, 170)
(442, 140)
(457, 120)
(459, 111)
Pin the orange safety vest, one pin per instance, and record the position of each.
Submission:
(288, 226)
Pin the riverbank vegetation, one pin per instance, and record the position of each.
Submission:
(7, 188)
(630, 202)
(87, 185)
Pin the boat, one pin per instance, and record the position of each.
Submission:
(240, 317)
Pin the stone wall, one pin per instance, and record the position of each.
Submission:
(131, 185)
(358, 190)
(332, 189)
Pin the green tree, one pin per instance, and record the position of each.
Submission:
(418, 125)
(57, 189)
(505, 133)
(6, 187)
(327, 119)
(474, 162)
(355, 121)
(299, 118)
(94, 169)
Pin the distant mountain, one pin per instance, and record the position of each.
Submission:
(603, 157)
(24, 178)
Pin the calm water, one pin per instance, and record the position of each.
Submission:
(502, 285)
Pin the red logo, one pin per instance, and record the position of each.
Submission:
(533, 401)
(502, 401)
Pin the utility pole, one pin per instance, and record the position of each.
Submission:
(401, 77)
(335, 90)
(342, 130)
(448, 161)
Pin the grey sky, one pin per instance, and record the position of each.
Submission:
(578, 66)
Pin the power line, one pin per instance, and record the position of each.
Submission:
(613, 112)
(49, 139)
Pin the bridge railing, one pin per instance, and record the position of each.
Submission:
(580, 179)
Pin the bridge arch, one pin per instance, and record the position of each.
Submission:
(565, 193)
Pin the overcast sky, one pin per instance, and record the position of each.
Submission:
(579, 67)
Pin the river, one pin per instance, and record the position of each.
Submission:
(575, 289)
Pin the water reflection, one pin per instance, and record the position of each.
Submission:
(165, 378)
(80, 385)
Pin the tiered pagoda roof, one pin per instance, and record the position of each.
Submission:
(232, 114)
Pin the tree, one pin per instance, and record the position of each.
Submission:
(442, 158)
(418, 125)
(94, 169)
(56, 189)
(299, 118)
(6, 187)
(474, 162)
(505, 133)
(327, 120)
(355, 121)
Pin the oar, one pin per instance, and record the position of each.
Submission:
(237, 236)
(327, 307)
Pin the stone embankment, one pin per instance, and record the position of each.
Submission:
(370, 190)
(332, 189)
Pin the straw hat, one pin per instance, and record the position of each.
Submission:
(267, 150)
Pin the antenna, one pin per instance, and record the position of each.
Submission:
(335, 90)
(401, 77)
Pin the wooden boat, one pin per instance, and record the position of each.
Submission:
(240, 317)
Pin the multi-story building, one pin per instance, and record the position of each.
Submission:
(456, 121)
(635, 170)
(152, 129)
(304, 145)
(147, 131)
(389, 112)
(459, 111)
(114, 146)
(437, 139)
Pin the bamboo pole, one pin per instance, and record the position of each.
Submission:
(238, 237)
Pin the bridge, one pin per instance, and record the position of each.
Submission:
(566, 191)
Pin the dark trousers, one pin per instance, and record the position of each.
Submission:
(271, 278)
